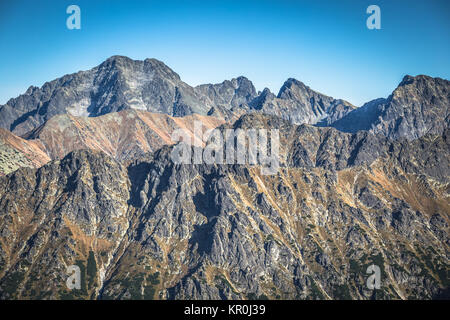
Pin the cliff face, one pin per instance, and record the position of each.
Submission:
(339, 203)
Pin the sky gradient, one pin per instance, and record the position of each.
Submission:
(324, 44)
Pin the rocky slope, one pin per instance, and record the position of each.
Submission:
(156, 230)
(16, 152)
(419, 105)
(228, 94)
(122, 135)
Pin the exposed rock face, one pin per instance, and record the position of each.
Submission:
(229, 94)
(156, 230)
(418, 106)
(60, 213)
(297, 103)
(16, 152)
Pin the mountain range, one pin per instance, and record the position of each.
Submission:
(87, 179)
(121, 83)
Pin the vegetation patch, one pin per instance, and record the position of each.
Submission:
(253, 296)
(342, 292)
(316, 294)
(12, 282)
(91, 269)
(150, 288)
(222, 283)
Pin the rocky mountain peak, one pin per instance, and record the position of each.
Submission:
(92, 182)
(418, 106)
(407, 79)
(422, 86)
(263, 98)
(241, 80)
(121, 83)
(421, 78)
(298, 104)
(149, 67)
(117, 60)
(291, 88)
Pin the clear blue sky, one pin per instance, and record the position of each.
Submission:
(325, 44)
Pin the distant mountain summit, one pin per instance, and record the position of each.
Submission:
(118, 83)
(419, 105)
(230, 93)
(299, 104)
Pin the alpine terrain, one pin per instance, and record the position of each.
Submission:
(87, 178)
